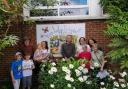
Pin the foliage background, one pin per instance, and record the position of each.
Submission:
(117, 30)
(11, 14)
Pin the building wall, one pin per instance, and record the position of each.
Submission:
(8, 55)
(94, 29)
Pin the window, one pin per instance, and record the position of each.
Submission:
(62, 8)
(65, 10)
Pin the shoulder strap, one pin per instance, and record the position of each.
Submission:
(98, 58)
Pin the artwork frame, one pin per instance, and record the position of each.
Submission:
(55, 34)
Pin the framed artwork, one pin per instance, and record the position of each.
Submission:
(55, 34)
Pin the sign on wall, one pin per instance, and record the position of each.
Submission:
(55, 34)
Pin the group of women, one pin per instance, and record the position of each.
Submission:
(89, 51)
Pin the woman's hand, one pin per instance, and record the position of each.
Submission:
(102, 66)
(105, 57)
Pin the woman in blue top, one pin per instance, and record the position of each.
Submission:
(16, 70)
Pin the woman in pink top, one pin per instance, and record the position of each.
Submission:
(41, 54)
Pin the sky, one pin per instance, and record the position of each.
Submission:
(77, 2)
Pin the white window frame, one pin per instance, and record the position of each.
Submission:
(95, 12)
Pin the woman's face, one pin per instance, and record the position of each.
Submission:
(27, 42)
(43, 44)
(91, 42)
(95, 48)
(82, 41)
(39, 46)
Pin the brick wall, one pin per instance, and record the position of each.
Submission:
(94, 29)
(8, 53)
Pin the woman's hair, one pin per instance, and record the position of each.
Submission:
(81, 38)
(92, 40)
(25, 40)
(46, 44)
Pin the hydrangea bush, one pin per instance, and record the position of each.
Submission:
(72, 74)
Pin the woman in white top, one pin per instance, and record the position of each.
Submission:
(82, 41)
(97, 57)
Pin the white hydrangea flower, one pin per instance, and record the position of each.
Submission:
(102, 83)
(54, 69)
(96, 64)
(123, 74)
(71, 66)
(52, 85)
(80, 67)
(85, 78)
(44, 65)
(63, 59)
(116, 84)
(83, 65)
(92, 67)
(68, 77)
(69, 85)
(71, 79)
(64, 68)
(123, 85)
(50, 72)
(53, 64)
(112, 77)
(88, 82)
(85, 70)
(74, 88)
(78, 73)
(121, 80)
(110, 71)
(67, 71)
(42, 69)
(81, 79)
